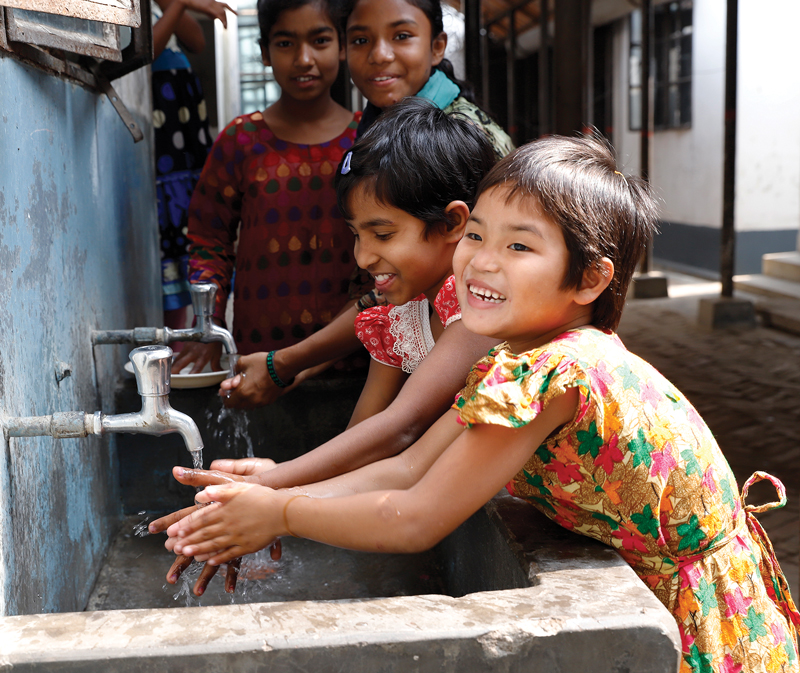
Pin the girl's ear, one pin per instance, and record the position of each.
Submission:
(457, 214)
(595, 280)
(265, 55)
(438, 46)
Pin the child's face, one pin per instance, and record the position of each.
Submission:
(304, 52)
(391, 246)
(390, 50)
(509, 267)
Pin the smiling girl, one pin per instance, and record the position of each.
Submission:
(273, 171)
(395, 49)
(565, 416)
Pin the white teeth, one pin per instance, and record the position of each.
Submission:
(304, 79)
(487, 295)
(381, 79)
(382, 277)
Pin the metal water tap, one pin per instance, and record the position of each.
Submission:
(151, 365)
(205, 331)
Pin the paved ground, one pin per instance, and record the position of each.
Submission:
(745, 384)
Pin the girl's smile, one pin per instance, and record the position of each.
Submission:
(390, 50)
(509, 268)
(393, 247)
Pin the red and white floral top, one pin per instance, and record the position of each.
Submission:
(400, 336)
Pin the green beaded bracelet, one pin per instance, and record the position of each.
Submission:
(273, 374)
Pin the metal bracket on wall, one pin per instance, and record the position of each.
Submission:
(105, 86)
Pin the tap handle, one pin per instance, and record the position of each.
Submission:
(203, 299)
(152, 366)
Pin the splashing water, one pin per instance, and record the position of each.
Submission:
(140, 529)
(236, 433)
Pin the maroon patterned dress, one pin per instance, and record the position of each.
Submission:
(294, 257)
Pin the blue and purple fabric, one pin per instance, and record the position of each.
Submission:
(182, 143)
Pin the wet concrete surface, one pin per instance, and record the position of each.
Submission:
(136, 567)
(746, 386)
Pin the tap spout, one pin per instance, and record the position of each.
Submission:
(204, 331)
(157, 417)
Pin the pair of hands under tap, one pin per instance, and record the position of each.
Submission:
(222, 472)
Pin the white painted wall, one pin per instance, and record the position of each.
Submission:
(768, 133)
(686, 165)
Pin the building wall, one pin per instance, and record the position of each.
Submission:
(687, 165)
(78, 251)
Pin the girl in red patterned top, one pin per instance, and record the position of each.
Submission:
(273, 171)
(405, 191)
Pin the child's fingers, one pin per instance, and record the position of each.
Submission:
(176, 569)
(200, 549)
(160, 525)
(222, 493)
(226, 555)
(197, 520)
(206, 574)
(243, 466)
(232, 574)
(201, 478)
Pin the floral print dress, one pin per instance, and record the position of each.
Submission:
(638, 469)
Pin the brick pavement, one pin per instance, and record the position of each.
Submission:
(745, 384)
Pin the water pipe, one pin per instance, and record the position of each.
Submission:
(204, 331)
(151, 365)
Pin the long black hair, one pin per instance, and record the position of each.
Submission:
(432, 9)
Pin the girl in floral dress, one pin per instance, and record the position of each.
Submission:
(575, 424)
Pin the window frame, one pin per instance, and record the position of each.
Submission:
(21, 29)
(664, 108)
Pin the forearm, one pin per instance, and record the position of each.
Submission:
(333, 342)
(175, 20)
(374, 439)
(426, 395)
(398, 472)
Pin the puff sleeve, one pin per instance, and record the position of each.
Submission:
(511, 390)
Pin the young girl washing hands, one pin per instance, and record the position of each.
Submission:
(561, 412)
(405, 191)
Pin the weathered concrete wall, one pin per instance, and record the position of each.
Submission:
(78, 250)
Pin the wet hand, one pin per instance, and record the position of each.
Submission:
(200, 354)
(251, 387)
(243, 466)
(206, 574)
(240, 519)
(197, 478)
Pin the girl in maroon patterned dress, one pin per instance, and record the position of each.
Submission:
(272, 172)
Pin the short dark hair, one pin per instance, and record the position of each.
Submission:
(418, 159)
(270, 10)
(601, 213)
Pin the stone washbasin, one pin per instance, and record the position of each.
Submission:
(508, 591)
